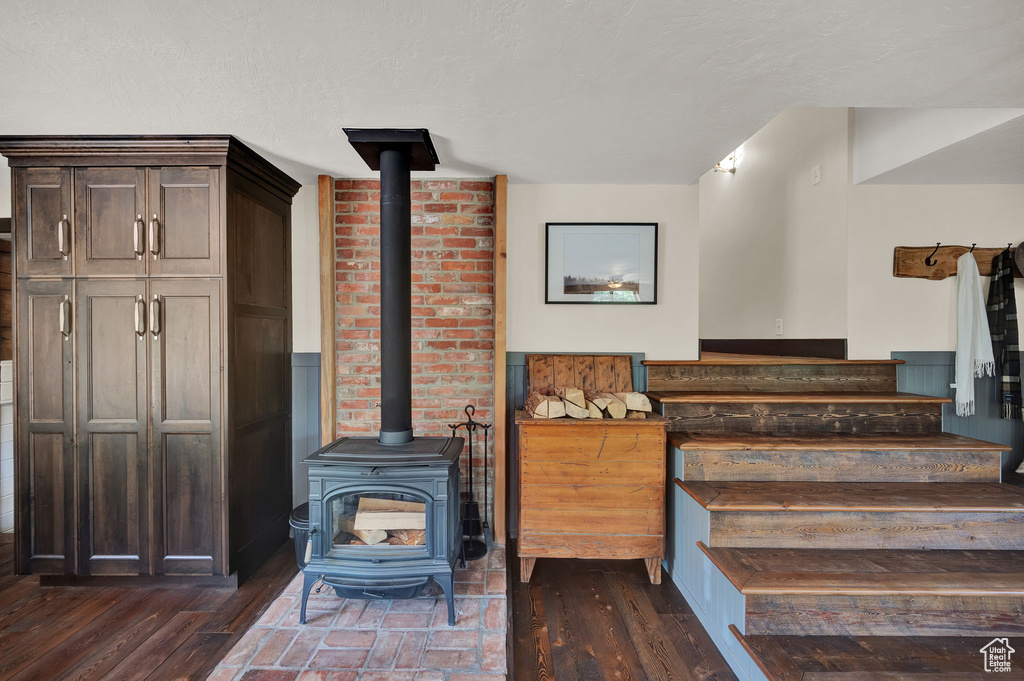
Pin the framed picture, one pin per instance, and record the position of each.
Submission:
(601, 263)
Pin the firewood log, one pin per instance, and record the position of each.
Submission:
(616, 408)
(410, 537)
(544, 406)
(572, 396)
(389, 520)
(576, 411)
(369, 536)
(595, 411)
(600, 399)
(635, 401)
(636, 415)
(374, 504)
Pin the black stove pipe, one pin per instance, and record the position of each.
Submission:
(395, 296)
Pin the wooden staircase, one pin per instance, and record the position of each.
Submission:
(823, 527)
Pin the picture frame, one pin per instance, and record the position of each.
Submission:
(601, 263)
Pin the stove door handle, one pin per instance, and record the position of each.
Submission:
(372, 471)
(374, 594)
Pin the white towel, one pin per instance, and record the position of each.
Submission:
(973, 341)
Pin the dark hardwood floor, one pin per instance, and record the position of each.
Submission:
(126, 633)
(598, 620)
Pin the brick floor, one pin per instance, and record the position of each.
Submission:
(401, 640)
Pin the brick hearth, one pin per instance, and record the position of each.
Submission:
(400, 640)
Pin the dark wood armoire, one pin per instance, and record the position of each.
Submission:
(151, 349)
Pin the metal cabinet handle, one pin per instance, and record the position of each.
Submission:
(140, 316)
(140, 247)
(154, 236)
(65, 317)
(154, 316)
(63, 236)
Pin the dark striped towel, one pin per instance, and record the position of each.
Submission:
(1002, 322)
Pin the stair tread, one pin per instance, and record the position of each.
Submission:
(760, 397)
(721, 358)
(871, 658)
(881, 497)
(830, 442)
(872, 571)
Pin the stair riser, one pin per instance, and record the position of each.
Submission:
(842, 466)
(785, 378)
(885, 615)
(857, 530)
(793, 419)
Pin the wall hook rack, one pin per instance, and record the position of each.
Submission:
(939, 262)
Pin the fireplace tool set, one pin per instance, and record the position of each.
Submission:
(471, 518)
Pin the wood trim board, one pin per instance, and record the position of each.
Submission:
(328, 412)
(500, 287)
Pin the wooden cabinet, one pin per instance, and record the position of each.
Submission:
(43, 217)
(184, 232)
(185, 415)
(589, 488)
(44, 426)
(153, 395)
(110, 212)
(113, 442)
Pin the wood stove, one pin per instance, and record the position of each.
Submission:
(383, 525)
(384, 512)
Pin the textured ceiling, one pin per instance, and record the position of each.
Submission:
(568, 91)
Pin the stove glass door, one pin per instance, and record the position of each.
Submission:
(379, 519)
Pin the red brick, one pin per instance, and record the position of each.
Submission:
(449, 219)
(476, 208)
(467, 254)
(351, 196)
(440, 185)
(270, 675)
(476, 186)
(460, 242)
(441, 207)
(454, 265)
(346, 658)
(458, 197)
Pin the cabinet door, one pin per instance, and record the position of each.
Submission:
(45, 427)
(184, 225)
(113, 466)
(43, 222)
(110, 210)
(186, 360)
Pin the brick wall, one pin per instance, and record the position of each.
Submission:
(452, 307)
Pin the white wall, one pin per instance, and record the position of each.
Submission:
(772, 245)
(886, 313)
(888, 138)
(5, 195)
(306, 270)
(667, 330)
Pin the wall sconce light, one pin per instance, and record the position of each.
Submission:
(726, 165)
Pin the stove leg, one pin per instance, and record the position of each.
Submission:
(308, 581)
(448, 585)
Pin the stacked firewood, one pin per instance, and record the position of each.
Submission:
(385, 521)
(587, 404)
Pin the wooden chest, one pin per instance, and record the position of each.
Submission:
(591, 488)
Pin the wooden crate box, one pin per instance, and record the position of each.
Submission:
(590, 488)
